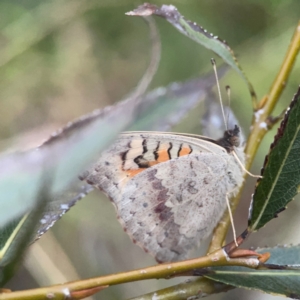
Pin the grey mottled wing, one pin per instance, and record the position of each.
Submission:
(169, 207)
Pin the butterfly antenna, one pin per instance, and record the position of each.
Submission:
(228, 92)
(213, 62)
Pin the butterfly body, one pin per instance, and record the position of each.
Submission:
(169, 189)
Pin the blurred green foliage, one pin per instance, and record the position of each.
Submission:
(61, 59)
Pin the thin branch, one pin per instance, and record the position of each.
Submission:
(218, 258)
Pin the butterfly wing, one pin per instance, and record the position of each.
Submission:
(169, 191)
(133, 153)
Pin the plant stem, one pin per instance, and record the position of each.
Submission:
(62, 291)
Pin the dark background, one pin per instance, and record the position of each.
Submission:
(61, 59)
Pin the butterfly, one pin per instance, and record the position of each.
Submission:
(169, 189)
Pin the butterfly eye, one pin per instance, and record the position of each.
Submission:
(235, 141)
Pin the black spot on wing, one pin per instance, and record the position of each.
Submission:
(179, 150)
(145, 149)
(141, 161)
(169, 150)
(156, 150)
(123, 156)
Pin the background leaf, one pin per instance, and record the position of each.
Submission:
(173, 103)
(281, 171)
(196, 33)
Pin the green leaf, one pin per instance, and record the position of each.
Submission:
(281, 171)
(15, 236)
(280, 281)
(196, 33)
(65, 157)
(7, 234)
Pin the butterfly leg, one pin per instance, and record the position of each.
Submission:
(243, 167)
(231, 220)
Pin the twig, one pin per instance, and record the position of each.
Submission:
(218, 258)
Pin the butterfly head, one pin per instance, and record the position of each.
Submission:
(230, 139)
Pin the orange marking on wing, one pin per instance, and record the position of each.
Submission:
(163, 155)
(184, 151)
(132, 173)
